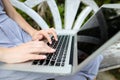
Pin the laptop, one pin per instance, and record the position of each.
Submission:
(74, 50)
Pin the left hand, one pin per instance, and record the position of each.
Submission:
(33, 50)
(38, 35)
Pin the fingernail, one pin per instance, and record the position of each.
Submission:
(50, 42)
(44, 56)
(53, 50)
(56, 39)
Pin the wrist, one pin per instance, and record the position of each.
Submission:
(32, 32)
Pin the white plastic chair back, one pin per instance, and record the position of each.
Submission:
(71, 8)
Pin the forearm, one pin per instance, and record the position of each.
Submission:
(2, 52)
(12, 13)
(23, 24)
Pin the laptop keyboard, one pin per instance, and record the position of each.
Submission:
(57, 58)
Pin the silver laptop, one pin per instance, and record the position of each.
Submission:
(74, 50)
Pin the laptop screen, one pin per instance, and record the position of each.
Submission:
(96, 31)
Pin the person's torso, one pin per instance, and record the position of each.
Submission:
(3, 15)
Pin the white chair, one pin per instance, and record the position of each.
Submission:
(71, 8)
(70, 23)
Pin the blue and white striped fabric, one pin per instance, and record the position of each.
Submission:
(12, 35)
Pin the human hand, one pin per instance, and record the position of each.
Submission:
(39, 35)
(29, 51)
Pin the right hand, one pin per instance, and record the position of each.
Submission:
(25, 52)
(41, 34)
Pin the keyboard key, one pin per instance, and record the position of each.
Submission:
(35, 62)
(52, 63)
(41, 62)
(57, 64)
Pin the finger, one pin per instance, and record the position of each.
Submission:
(46, 35)
(42, 47)
(47, 49)
(52, 31)
(36, 57)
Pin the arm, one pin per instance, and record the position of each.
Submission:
(11, 12)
